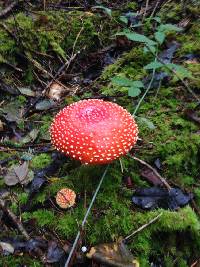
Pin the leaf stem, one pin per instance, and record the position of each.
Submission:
(147, 90)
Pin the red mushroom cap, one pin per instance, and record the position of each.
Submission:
(94, 131)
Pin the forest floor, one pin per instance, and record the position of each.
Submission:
(142, 55)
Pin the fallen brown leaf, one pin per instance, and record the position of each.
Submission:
(113, 254)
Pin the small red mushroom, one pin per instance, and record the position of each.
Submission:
(65, 198)
(94, 131)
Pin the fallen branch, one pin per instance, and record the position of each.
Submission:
(41, 68)
(14, 219)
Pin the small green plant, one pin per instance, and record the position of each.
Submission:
(134, 87)
(153, 46)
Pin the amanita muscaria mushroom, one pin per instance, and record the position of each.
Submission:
(94, 131)
(65, 198)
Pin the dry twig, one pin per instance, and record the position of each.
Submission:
(14, 219)
(66, 65)
(145, 10)
(153, 170)
(143, 226)
(181, 79)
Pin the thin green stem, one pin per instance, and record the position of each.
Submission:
(85, 219)
(145, 93)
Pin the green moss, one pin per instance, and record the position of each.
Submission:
(44, 127)
(53, 33)
(21, 99)
(23, 198)
(4, 155)
(70, 221)
(40, 161)
(43, 217)
(18, 261)
(7, 44)
(174, 139)
(197, 196)
(14, 207)
(190, 41)
(175, 236)
(132, 5)
(195, 69)
(129, 66)
(171, 11)
(152, 242)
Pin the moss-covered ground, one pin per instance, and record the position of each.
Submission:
(43, 40)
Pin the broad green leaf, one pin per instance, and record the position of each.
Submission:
(121, 81)
(168, 27)
(150, 48)
(138, 84)
(160, 37)
(123, 19)
(26, 91)
(183, 72)
(126, 82)
(153, 65)
(158, 19)
(108, 11)
(133, 91)
(139, 38)
(145, 49)
(136, 37)
(147, 122)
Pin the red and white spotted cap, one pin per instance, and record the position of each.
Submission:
(65, 198)
(94, 131)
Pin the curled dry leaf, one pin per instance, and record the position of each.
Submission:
(26, 91)
(155, 197)
(55, 253)
(113, 254)
(150, 176)
(7, 248)
(45, 104)
(18, 174)
(1, 126)
(56, 91)
(12, 112)
(30, 137)
(21, 171)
